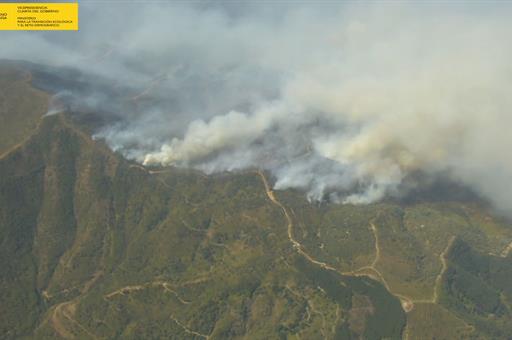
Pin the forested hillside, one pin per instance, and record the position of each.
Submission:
(95, 246)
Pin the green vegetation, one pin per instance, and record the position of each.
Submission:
(114, 250)
(432, 321)
(477, 288)
(92, 245)
(21, 106)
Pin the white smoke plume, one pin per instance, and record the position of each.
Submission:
(342, 100)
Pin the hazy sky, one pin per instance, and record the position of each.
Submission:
(339, 98)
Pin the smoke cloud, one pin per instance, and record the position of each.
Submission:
(340, 100)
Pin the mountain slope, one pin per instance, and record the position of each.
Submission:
(91, 232)
(95, 246)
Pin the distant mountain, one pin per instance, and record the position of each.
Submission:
(95, 246)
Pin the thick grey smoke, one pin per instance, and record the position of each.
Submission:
(346, 100)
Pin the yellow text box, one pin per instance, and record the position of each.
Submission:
(39, 16)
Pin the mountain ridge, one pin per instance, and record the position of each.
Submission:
(96, 246)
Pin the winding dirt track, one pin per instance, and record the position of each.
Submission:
(65, 311)
(442, 257)
(13, 148)
(188, 330)
(507, 250)
(162, 284)
(168, 287)
(368, 271)
(377, 247)
(289, 220)
(407, 302)
(23, 142)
